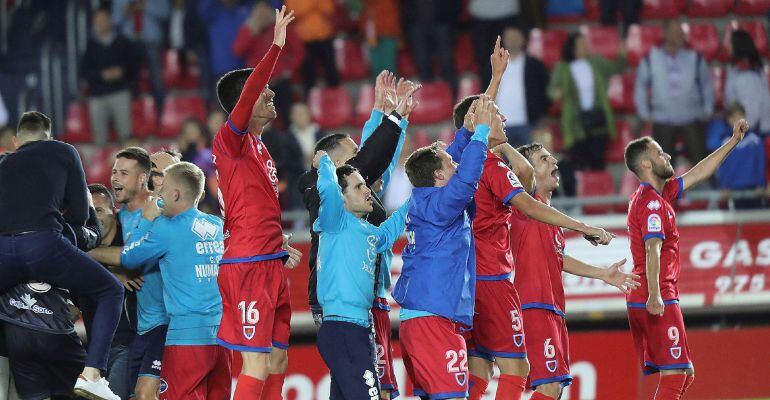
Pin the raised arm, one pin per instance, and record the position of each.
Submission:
(519, 165)
(392, 228)
(706, 167)
(548, 215)
(499, 61)
(612, 275)
(332, 210)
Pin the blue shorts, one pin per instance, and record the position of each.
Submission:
(347, 349)
(145, 356)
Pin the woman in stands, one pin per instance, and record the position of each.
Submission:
(746, 83)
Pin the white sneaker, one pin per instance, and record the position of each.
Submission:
(94, 390)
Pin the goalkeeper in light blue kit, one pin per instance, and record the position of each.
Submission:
(187, 244)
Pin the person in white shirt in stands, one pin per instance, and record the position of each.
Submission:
(523, 89)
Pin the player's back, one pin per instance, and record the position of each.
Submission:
(651, 215)
(248, 196)
(538, 252)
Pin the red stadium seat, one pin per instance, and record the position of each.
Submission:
(640, 39)
(592, 9)
(447, 134)
(595, 183)
(464, 61)
(755, 28)
(77, 127)
(628, 184)
(709, 8)
(421, 138)
(546, 44)
(469, 86)
(178, 108)
(767, 165)
(331, 107)
(621, 92)
(405, 63)
(99, 166)
(174, 76)
(661, 9)
(718, 80)
(617, 147)
(364, 104)
(350, 59)
(435, 104)
(144, 116)
(702, 38)
(602, 40)
(752, 7)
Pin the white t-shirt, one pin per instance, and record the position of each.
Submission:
(584, 80)
(511, 98)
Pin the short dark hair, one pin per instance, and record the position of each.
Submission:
(98, 188)
(528, 150)
(634, 150)
(330, 142)
(461, 108)
(230, 86)
(735, 108)
(745, 49)
(421, 165)
(343, 171)
(568, 49)
(138, 154)
(34, 122)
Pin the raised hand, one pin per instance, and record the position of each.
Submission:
(486, 112)
(499, 59)
(616, 277)
(470, 116)
(740, 129)
(282, 20)
(150, 209)
(317, 158)
(390, 101)
(379, 90)
(406, 102)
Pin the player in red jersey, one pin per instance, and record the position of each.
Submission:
(497, 334)
(540, 260)
(252, 281)
(653, 309)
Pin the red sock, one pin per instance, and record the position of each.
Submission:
(273, 387)
(248, 388)
(540, 396)
(687, 383)
(510, 387)
(478, 387)
(670, 387)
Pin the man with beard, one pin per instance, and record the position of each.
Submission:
(540, 260)
(653, 309)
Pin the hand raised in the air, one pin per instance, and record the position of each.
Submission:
(499, 59)
(317, 158)
(390, 99)
(282, 20)
(406, 102)
(740, 129)
(379, 90)
(486, 112)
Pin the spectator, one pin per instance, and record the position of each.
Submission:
(382, 24)
(314, 26)
(306, 132)
(252, 43)
(287, 155)
(142, 21)
(223, 18)
(744, 168)
(6, 139)
(489, 18)
(746, 82)
(673, 90)
(187, 36)
(195, 145)
(522, 96)
(579, 81)
(214, 121)
(430, 30)
(534, 14)
(629, 12)
(108, 68)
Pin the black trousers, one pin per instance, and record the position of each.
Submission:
(319, 53)
(483, 36)
(346, 349)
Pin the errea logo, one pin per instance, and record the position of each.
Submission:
(204, 229)
(654, 205)
(156, 364)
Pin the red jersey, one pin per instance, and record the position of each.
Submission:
(248, 179)
(497, 186)
(651, 215)
(538, 250)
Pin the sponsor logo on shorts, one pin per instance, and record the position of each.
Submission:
(676, 352)
(518, 339)
(163, 385)
(461, 378)
(551, 365)
(654, 223)
(156, 364)
(248, 332)
(27, 302)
